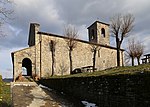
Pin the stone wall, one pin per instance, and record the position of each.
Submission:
(106, 91)
(18, 57)
(103, 40)
(81, 56)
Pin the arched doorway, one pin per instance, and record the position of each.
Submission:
(27, 64)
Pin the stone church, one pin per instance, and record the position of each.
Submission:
(37, 58)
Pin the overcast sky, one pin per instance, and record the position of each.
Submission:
(53, 15)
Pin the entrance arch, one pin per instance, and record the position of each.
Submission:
(26, 63)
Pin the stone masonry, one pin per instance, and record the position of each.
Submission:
(37, 58)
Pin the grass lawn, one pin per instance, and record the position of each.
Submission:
(131, 70)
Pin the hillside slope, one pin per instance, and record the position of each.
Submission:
(130, 70)
(116, 87)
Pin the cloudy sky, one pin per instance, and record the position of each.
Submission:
(53, 15)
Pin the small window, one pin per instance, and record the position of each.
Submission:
(92, 36)
(103, 32)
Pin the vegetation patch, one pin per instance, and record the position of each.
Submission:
(128, 70)
(5, 94)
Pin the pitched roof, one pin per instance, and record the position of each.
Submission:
(98, 22)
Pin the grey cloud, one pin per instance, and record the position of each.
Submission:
(52, 15)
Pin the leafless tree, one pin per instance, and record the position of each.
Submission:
(94, 48)
(121, 26)
(72, 34)
(52, 49)
(139, 51)
(5, 12)
(127, 59)
(131, 50)
(135, 50)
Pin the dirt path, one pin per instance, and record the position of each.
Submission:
(29, 94)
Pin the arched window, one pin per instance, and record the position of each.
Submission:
(103, 32)
(92, 36)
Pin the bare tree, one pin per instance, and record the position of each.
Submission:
(131, 50)
(127, 59)
(52, 49)
(5, 12)
(71, 33)
(94, 48)
(135, 50)
(121, 26)
(139, 51)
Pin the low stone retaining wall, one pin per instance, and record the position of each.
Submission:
(106, 91)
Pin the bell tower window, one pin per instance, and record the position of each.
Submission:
(98, 33)
(92, 34)
(103, 32)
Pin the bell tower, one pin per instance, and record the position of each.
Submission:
(34, 28)
(99, 33)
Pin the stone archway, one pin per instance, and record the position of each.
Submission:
(26, 62)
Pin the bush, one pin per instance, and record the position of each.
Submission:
(5, 95)
(1, 83)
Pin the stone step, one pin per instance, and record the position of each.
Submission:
(23, 84)
(25, 79)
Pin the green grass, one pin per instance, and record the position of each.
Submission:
(131, 70)
(1, 83)
(5, 95)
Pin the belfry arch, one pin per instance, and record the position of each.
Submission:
(27, 63)
(103, 32)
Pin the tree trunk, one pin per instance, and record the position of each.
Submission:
(118, 57)
(138, 61)
(118, 51)
(94, 60)
(132, 58)
(70, 58)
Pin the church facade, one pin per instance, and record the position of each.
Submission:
(37, 58)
